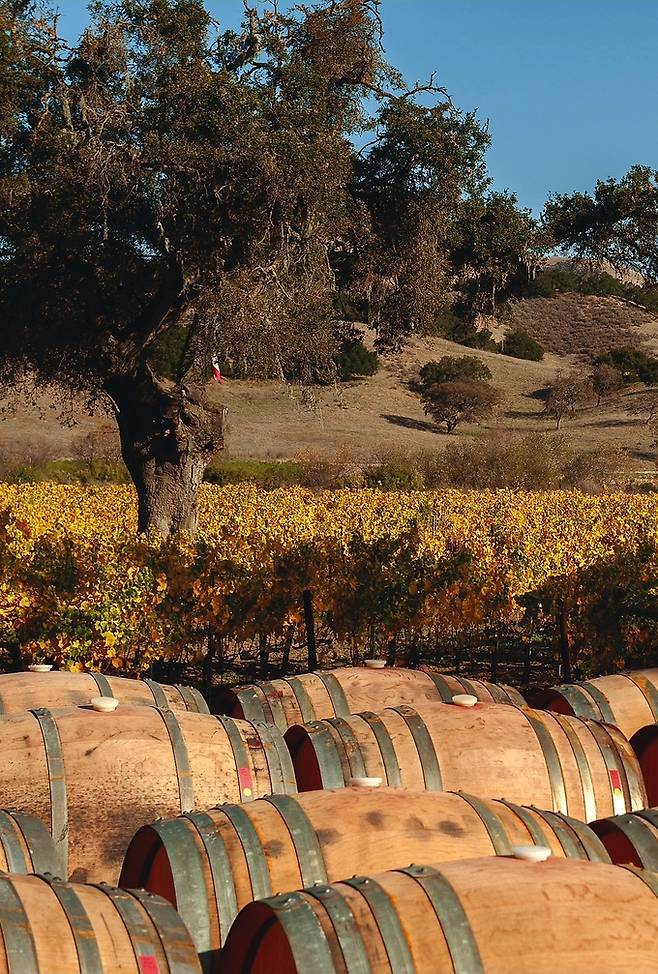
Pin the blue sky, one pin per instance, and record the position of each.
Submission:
(569, 86)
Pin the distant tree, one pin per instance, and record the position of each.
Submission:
(519, 344)
(450, 368)
(618, 222)
(633, 364)
(498, 246)
(645, 405)
(462, 401)
(604, 380)
(564, 396)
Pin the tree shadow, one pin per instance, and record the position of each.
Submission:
(613, 423)
(411, 424)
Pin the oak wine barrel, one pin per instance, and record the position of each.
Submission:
(645, 745)
(477, 916)
(26, 845)
(60, 689)
(350, 690)
(52, 927)
(211, 864)
(628, 700)
(95, 778)
(530, 757)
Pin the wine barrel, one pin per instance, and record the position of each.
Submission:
(645, 745)
(628, 700)
(350, 690)
(210, 865)
(26, 845)
(96, 777)
(566, 764)
(59, 689)
(51, 927)
(631, 838)
(492, 915)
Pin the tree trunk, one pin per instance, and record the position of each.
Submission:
(168, 435)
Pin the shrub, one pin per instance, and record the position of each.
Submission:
(450, 368)
(355, 360)
(633, 364)
(519, 344)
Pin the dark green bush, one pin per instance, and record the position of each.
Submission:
(453, 368)
(354, 360)
(519, 344)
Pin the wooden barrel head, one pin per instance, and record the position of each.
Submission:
(645, 745)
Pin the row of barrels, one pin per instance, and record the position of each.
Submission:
(95, 778)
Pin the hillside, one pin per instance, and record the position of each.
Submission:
(584, 324)
(271, 420)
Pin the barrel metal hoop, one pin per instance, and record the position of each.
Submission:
(86, 945)
(327, 754)
(351, 745)
(44, 855)
(648, 877)
(594, 848)
(141, 938)
(602, 702)
(12, 846)
(279, 762)
(102, 683)
(16, 931)
(571, 846)
(308, 941)
(498, 693)
(180, 954)
(159, 697)
(615, 766)
(631, 772)
(335, 691)
(439, 682)
(584, 771)
(386, 749)
(59, 816)
(648, 690)
(347, 931)
(578, 701)
(452, 917)
(200, 701)
(306, 708)
(187, 697)
(253, 704)
(427, 755)
(304, 839)
(526, 815)
(641, 838)
(192, 901)
(553, 766)
(259, 875)
(514, 697)
(388, 922)
(240, 756)
(181, 760)
(220, 870)
(491, 822)
(650, 815)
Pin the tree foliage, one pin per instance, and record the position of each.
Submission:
(618, 222)
(460, 401)
(633, 364)
(452, 368)
(565, 394)
(519, 344)
(170, 190)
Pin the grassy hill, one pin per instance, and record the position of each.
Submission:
(269, 420)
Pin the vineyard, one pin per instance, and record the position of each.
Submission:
(383, 570)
